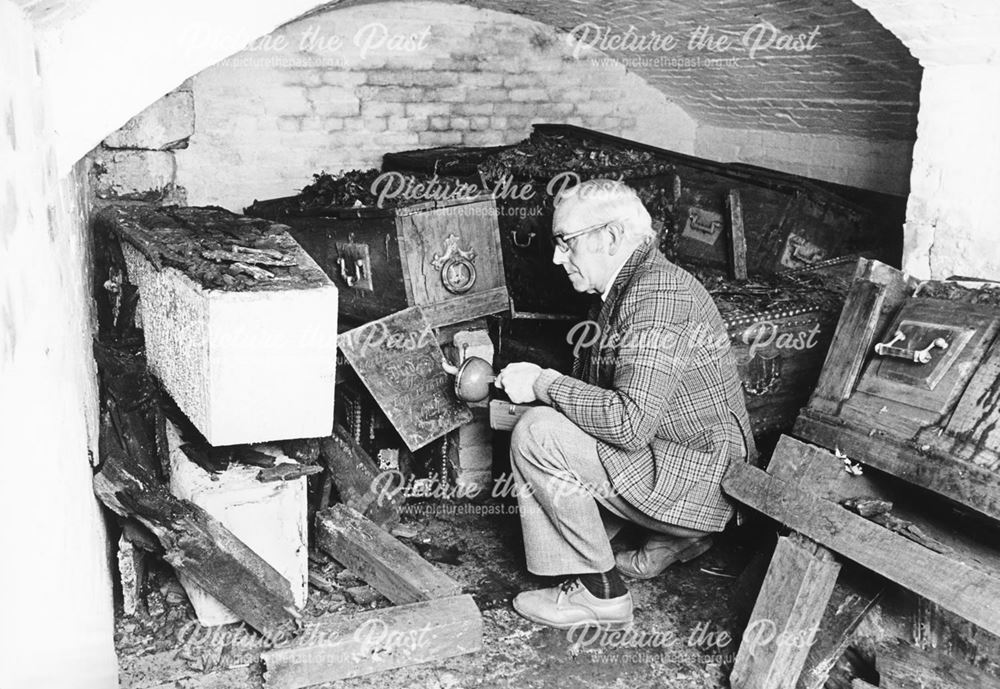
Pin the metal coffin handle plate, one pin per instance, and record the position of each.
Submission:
(354, 265)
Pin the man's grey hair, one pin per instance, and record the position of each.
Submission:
(608, 200)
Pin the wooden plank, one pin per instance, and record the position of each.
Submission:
(903, 666)
(358, 481)
(737, 238)
(397, 572)
(810, 468)
(786, 617)
(966, 582)
(399, 360)
(131, 574)
(467, 307)
(851, 343)
(975, 421)
(974, 486)
(931, 626)
(198, 545)
(854, 596)
(336, 647)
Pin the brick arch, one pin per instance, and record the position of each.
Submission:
(478, 77)
(858, 80)
(103, 61)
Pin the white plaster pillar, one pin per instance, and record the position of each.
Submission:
(953, 213)
(56, 616)
(954, 204)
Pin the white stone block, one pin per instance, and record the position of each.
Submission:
(162, 125)
(134, 175)
(244, 367)
(270, 518)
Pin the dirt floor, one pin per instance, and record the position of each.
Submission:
(685, 633)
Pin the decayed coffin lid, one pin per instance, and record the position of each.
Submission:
(911, 384)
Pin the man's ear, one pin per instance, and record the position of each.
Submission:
(616, 232)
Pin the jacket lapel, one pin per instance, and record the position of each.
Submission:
(610, 306)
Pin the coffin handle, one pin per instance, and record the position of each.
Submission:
(357, 273)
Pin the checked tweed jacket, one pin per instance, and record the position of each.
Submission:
(658, 389)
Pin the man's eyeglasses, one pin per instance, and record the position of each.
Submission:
(562, 241)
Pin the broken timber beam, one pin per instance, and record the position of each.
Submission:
(785, 620)
(966, 581)
(393, 569)
(198, 545)
(856, 593)
(357, 479)
(904, 666)
(336, 647)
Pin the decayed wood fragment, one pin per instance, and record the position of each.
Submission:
(196, 544)
(335, 647)
(396, 571)
(785, 621)
(358, 481)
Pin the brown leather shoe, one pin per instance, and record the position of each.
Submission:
(659, 553)
(571, 605)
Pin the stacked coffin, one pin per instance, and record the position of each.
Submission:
(799, 235)
(391, 242)
(896, 467)
(239, 328)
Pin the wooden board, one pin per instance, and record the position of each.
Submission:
(934, 387)
(399, 360)
(785, 620)
(811, 469)
(199, 546)
(849, 347)
(854, 597)
(967, 581)
(396, 571)
(974, 486)
(336, 647)
(455, 235)
(356, 477)
(737, 238)
(973, 431)
(903, 666)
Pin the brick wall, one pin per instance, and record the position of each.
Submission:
(269, 118)
(879, 165)
(338, 89)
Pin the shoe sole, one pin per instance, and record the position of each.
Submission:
(696, 549)
(610, 626)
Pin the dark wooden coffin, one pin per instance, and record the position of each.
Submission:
(911, 385)
(789, 222)
(445, 161)
(443, 256)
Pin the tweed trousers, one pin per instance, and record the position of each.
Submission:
(567, 505)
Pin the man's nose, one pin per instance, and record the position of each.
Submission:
(558, 256)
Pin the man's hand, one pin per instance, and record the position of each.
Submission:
(518, 381)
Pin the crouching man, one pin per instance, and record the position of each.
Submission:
(643, 430)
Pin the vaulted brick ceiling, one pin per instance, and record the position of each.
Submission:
(857, 80)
